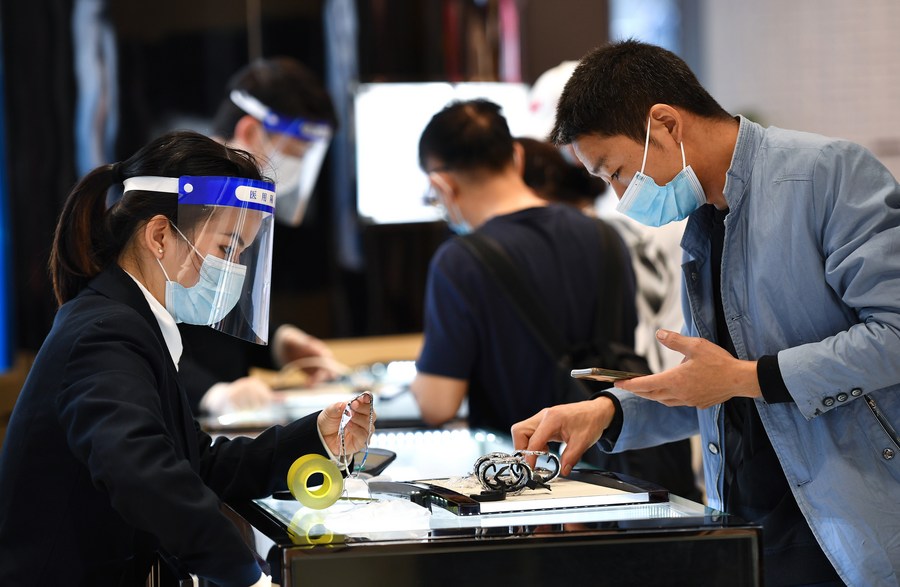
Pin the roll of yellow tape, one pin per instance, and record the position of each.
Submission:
(310, 528)
(322, 496)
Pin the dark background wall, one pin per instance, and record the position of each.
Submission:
(558, 31)
(174, 58)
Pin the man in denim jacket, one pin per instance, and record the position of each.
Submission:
(791, 289)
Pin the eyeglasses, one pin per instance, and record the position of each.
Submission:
(431, 196)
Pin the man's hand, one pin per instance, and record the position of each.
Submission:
(579, 425)
(246, 393)
(707, 376)
(356, 432)
(291, 344)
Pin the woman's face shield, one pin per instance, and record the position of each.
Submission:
(296, 151)
(219, 273)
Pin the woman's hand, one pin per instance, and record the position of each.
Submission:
(357, 429)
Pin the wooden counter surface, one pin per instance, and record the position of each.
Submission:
(371, 349)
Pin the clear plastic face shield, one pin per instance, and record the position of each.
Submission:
(295, 155)
(219, 272)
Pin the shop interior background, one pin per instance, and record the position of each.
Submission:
(86, 82)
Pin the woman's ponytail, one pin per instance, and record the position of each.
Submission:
(89, 238)
(80, 248)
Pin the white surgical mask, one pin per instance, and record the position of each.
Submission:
(295, 179)
(216, 292)
(288, 171)
(655, 205)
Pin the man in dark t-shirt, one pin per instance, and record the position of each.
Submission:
(477, 340)
(476, 344)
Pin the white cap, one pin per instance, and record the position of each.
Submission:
(544, 97)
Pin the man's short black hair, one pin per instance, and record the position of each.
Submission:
(614, 86)
(283, 84)
(467, 135)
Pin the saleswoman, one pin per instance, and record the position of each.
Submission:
(103, 464)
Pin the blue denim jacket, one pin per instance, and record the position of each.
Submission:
(810, 272)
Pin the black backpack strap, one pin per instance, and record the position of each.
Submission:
(610, 302)
(604, 344)
(501, 269)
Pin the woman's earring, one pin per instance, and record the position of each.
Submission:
(160, 251)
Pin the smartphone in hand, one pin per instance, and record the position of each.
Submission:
(598, 374)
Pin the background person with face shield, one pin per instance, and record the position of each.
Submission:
(103, 464)
(277, 110)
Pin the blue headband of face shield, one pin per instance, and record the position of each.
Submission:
(209, 190)
(299, 128)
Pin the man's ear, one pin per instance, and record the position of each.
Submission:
(663, 116)
(444, 182)
(519, 158)
(250, 134)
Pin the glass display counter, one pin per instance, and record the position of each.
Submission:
(406, 537)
